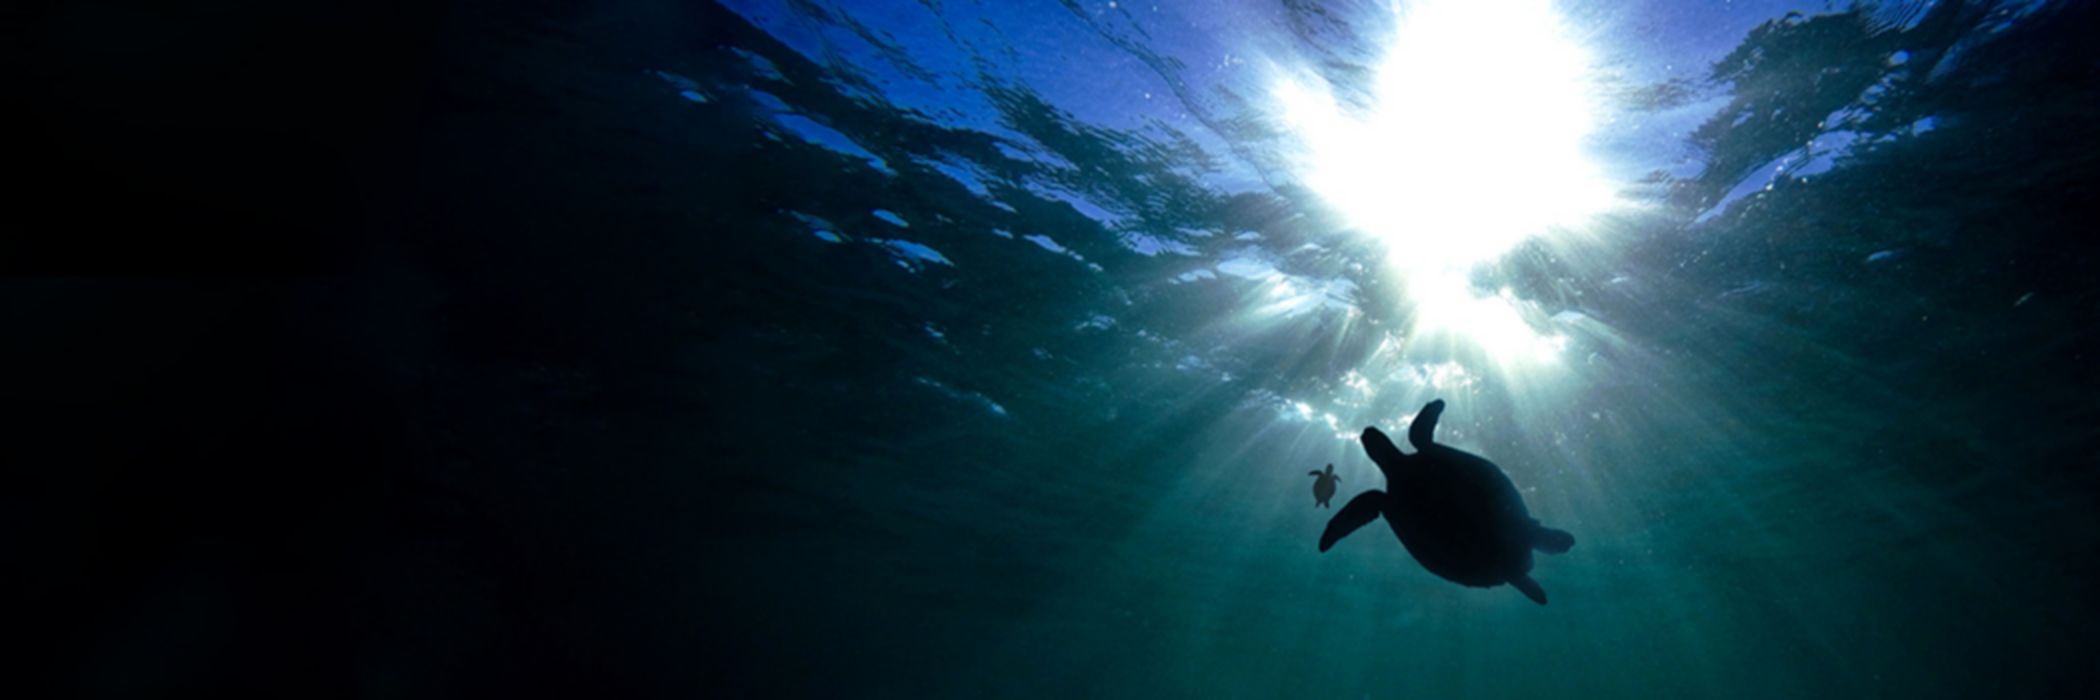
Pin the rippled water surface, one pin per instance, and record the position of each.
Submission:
(1783, 309)
(951, 347)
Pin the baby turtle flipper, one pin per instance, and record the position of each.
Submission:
(1362, 509)
(1422, 433)
(1529, 587)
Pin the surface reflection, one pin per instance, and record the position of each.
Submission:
(1474, 141)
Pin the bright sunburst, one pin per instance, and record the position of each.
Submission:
(1474, 143)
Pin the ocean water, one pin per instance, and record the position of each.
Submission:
(879, 348)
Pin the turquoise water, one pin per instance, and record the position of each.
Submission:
(1811, 432)
(982, 349)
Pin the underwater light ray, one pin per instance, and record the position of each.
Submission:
(1474, 143)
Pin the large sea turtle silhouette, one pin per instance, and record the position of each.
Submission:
(1456, 512)
(1323, 486)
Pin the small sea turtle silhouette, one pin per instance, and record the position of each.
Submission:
(1456, 512)
(1323, 486)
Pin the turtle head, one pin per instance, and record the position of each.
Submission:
(1422, 431)
(1384, 452)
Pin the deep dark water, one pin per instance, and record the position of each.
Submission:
(477, 348)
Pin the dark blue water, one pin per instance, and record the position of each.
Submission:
(950, 348)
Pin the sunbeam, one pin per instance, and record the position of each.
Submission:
(1474, 142)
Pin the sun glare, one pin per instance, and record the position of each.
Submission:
(1473, 143)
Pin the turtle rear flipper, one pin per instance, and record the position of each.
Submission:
(1362, 509)
(1551, 541)
(1529, 588)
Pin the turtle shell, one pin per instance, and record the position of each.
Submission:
(1461, 517)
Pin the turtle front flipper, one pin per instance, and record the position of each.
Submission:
(1382, 450)
(1362, 509)
(1422, 433)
